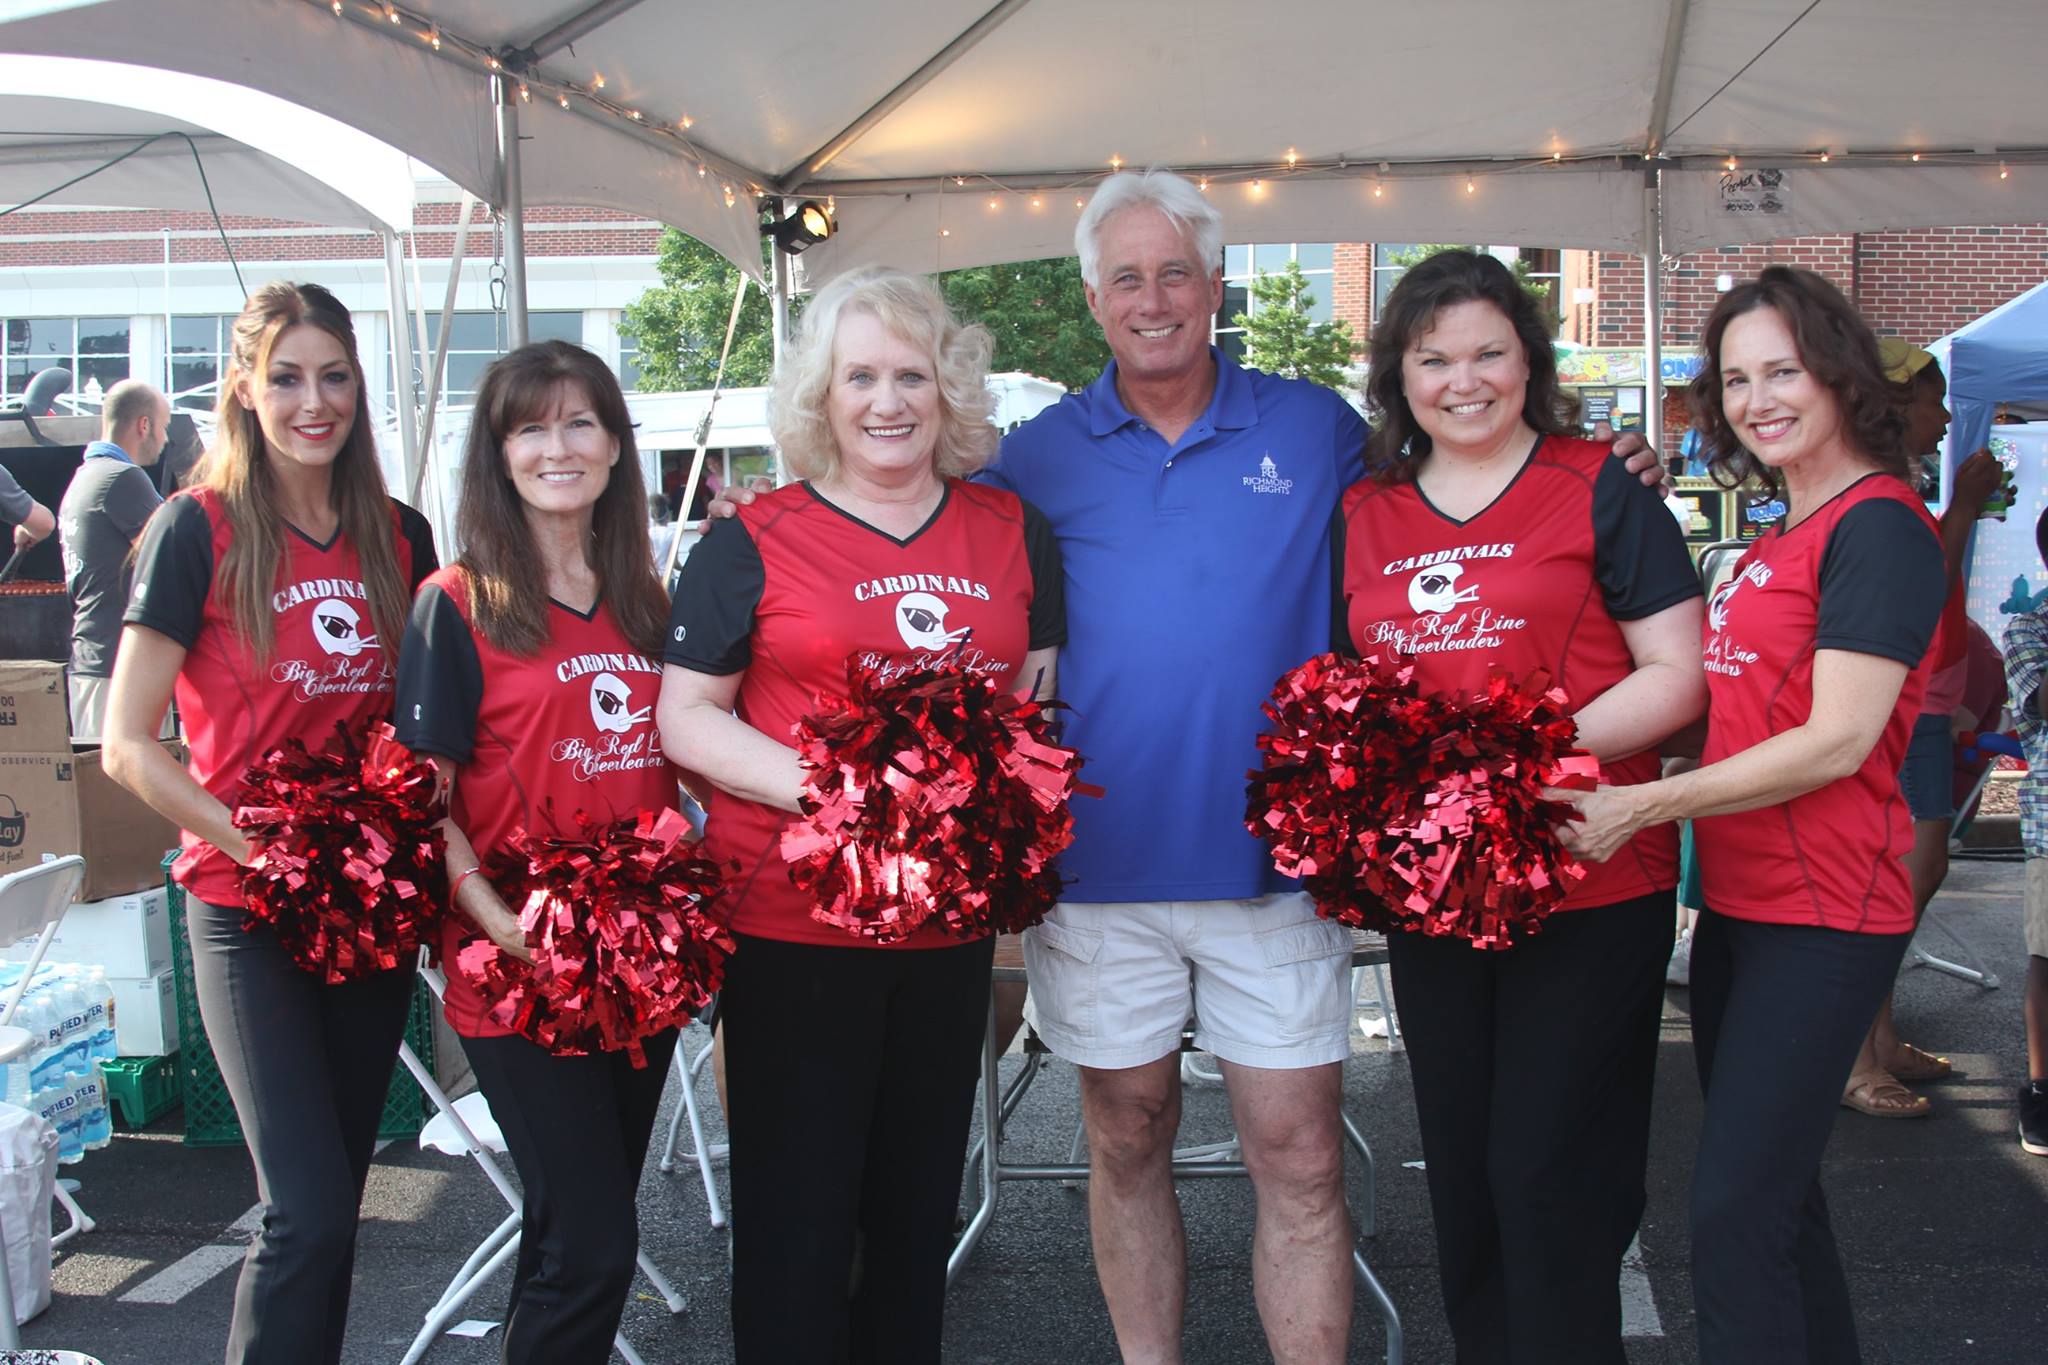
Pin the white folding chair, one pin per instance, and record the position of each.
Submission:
(688, 1070)
(32, 905)
(466, 1126)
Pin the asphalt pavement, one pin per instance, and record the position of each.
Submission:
(1943, 1221)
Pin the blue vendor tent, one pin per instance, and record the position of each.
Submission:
(2002, 357)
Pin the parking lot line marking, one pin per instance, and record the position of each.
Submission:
(186, 1274)
(1638, 1305)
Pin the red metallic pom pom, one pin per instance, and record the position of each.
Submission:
(617, 924)
(350, 869)
(931, 796)
(1419, 813)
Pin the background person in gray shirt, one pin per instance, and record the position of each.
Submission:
(103, 511)
(32, 521)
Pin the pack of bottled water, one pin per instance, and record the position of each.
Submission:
(69, 1010)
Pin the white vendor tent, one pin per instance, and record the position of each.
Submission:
(946, 133)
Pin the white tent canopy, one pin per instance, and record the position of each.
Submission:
(950, 133)
(66, 119)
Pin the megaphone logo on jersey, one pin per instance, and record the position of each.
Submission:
(921, 621)
(339, 629)
(611, 705)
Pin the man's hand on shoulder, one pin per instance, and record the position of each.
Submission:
(727, 504)
(1638, 455)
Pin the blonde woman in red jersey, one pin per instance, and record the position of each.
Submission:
(269, 597)
(1816, 656)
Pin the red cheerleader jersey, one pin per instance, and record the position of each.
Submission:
(1538, 579)
(537, 739)
(793, 587)
(1864, 573)
(326, 663)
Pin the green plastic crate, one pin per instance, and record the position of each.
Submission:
(210, 1119)
(142, 1089)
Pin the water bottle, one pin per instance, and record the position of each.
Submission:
(96, 1122)
(74, 1034)
(45, 1061)
(99, 999)
(60, 1107)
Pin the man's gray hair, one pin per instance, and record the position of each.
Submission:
(1186, 207)
(127, 403)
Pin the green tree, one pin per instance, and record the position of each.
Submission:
(1036, 309)
(1539, 290)
(1281, 339)
(1039, 316)
(680, 323)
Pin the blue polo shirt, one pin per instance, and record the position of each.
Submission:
(1197, 573)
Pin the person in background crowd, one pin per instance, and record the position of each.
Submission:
(2026, 671)
(1876, 1083)
(104, 509)
(32, 521)
(1816, 659)
(1533, 1066)
(530, 653)
(267, 597)
(661, 529)
(882, 409)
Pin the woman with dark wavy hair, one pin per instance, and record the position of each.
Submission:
(267, 597)
(1487, 535)
(1816, 656)
(529, 676)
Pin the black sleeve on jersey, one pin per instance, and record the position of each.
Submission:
(173, 572)
(1340, 614)
(1048, 581)
(1882, 583)
(711, 624)
(440, 679)
(420, 537)
(1639, 553)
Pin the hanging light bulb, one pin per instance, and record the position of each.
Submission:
(992, 203)
(2003, 173)
(730, 198)
(1036, 202)
(1471, 185)
(1916, 156)
(391, 13)
(597, 80)
(563, 99)
(1258, 187)
(434, 37)
(1116, 163)
(525, 93)
(633, 114)
(945, 232)
(1379, 191)
(1824, 158)
(491, 62)
(1292, 157)
(337, 9)
(686, 123)
(1729, 163)
(1203, 184)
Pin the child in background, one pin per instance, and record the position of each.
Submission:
(2026, 672)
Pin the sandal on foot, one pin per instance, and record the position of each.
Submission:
(1917, 1066)
(1882, 1097)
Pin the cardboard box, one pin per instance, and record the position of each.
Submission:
(52, 804)
(35, 707)
(125, 936)
(145, 1015)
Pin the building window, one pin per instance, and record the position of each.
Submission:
(95, 350)
(476, 339)
(629, 363)
(1242, 264)
(199, 357)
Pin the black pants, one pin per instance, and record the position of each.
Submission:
(851, 1076)
(577, 1130)
(1778, 1013)
(1533, 1070)
(307, 1066)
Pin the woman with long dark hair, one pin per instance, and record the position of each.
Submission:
(1487, 536)
(1816, 656)
(529, 675)
(268, 597)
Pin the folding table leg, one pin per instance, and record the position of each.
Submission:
(1389, 1314)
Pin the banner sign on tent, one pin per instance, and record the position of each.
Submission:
(1764, 191)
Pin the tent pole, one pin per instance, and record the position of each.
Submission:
(778, 313)
(513, 195)
(1653, 311)
(402, 404)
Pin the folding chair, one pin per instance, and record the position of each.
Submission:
(466, 1125)
(32, 904)
(688, 1070)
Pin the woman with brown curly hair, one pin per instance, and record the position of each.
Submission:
(269, 597)
(1816, 655)
(1487, 535)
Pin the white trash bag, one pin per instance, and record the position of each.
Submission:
(28, 1183)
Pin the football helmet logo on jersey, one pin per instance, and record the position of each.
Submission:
(921, 621)
(1717, 605)
(611, 705)
(1436, 588)
(339, 629)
